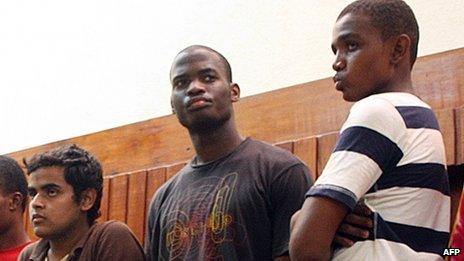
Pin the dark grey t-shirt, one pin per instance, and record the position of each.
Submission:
(235, 208)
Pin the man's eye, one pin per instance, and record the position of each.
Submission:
(52, 192)
(352, 46)
(208, 78)
(180, 83)
(32, 193)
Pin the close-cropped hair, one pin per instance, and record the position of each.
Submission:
(391, 17)
(12, 179)
(81, 170)
(223, 59)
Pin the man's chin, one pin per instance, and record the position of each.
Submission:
(40, 232)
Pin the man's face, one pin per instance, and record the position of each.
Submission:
(202, 95)
(362, 62)
(53, 210)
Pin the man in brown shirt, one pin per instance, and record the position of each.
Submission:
(65, 185)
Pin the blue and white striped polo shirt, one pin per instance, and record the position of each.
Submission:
(390, 154)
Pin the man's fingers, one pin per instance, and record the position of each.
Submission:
(343, 241)
(353, 231)
(361, 221)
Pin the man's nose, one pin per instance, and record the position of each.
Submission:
(339, 63)
(195, 88)
(36, 202)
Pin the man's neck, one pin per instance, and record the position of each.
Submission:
(402, 82)
(216, 143)
(14, 237)
(64, 244)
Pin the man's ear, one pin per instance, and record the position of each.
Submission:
(88, 198)
(401, 49)
(234, 92)
(15, 201)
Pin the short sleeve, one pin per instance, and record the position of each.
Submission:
(287, 196)
(367, 147)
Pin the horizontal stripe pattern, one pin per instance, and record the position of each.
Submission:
(412, 206)
(378, 115)
(372, 144)
(418, 117)
(421, 175)
(418, 238)
(340, 172)
(424, 146)
(334, 192)
(390, 147)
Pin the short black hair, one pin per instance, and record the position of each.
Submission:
(81, 170)
(223, 59)
(391, 17)
(12, 179)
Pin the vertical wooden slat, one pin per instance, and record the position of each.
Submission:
(287, 145)
(446, 120)
(104, 200)
(155, 179)
(136, 203)
(306, 150)
(173, 169)
(325, 146)
(118, 198)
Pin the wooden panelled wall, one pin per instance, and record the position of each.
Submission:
(303, 119)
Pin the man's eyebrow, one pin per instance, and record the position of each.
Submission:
(207, 70)
(45, 187)
(51, 186)
(347, 36)
(177, 77)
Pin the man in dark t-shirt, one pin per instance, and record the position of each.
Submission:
(234, 200)
(228, 210)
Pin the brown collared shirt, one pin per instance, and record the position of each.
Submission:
(111, 240)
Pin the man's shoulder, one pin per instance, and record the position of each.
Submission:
(112, 239)
(112, 228)
(27, 251)
(270, 152)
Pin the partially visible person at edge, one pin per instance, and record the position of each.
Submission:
(13, 202)
(457, 236)
(65, 186)
(234, 200)
(390, 151)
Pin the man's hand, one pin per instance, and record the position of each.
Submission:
(355, 226)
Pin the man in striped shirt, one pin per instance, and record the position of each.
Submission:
(390, 152)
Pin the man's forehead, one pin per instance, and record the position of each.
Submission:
(353, 21)
(198, 55)
(48, 173)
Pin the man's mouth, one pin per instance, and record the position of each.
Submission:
(36, 218)
(197, 103)
(337, 82)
